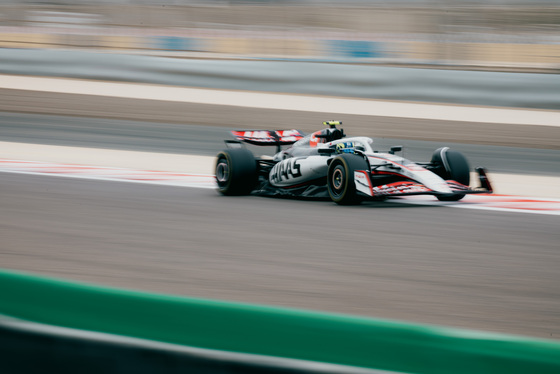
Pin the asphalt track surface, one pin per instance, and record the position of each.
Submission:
(484, 270)
(481, 270)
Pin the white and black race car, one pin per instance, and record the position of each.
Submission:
(326, 164)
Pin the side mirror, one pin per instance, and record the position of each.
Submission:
(394, 149)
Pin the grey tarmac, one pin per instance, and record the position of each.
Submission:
(473, 269)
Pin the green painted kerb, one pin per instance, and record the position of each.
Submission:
(270, 331)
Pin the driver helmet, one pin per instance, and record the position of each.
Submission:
(345, 147)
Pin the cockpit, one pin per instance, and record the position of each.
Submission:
(320, 137)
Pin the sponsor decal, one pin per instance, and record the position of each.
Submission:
(360, 177)
(363, 182)
(285, 170)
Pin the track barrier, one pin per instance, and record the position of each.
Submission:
(272, 332)
(523, 90)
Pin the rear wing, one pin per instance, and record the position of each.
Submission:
(268, 137)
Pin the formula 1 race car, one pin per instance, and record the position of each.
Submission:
(326, 164)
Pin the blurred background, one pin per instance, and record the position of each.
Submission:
(490, 34)
(489, 270)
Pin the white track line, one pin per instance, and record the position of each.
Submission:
(284, 101)
(536, 186)
(114, 158)
(504, 203)
(108, 173)
(501, 203)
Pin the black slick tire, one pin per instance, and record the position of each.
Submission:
(451, 165)
(236, 172)
(340, 179)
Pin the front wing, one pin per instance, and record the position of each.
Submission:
(365, 186)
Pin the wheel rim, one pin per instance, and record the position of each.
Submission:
(222, 172)
(337, 180)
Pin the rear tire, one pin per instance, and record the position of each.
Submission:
(451, 165)
(340, 179)
(236, 172)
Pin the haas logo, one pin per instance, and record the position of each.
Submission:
(285, 170)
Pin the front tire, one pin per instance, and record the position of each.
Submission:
(451, 165)
(236, 172)
(340, 179)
